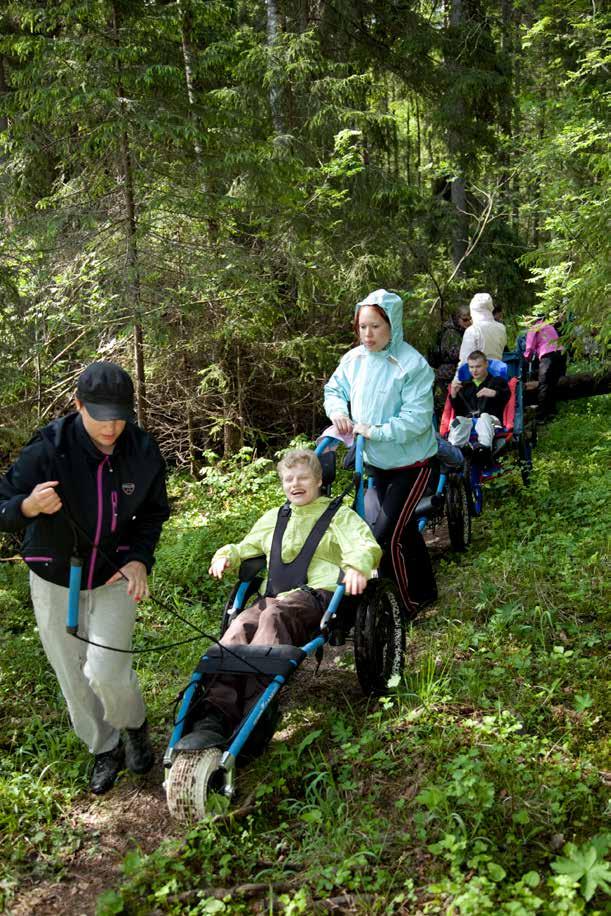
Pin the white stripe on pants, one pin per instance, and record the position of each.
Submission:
(99, 686)
(460, 430)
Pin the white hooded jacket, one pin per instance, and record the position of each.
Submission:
(485, 333)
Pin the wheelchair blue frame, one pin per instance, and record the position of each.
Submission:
(440, 491)
(246, 728)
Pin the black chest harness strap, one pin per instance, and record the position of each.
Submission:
(284, 577)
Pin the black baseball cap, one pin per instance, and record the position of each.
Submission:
(107, 392)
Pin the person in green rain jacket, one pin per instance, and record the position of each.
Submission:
(306, 543)
(383, 389)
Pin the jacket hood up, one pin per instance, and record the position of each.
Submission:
(481, 308)
(393, 306)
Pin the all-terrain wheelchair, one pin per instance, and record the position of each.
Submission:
(513, 441)
(448, 498)
(376, 620)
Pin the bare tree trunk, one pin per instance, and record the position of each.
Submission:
(184, 7)
(418, 145)
(458, 188)
(408, 144)
(127, 185)
(38, 369)
(8, 216)
(275, 100)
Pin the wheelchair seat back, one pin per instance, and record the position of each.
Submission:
(495, 367)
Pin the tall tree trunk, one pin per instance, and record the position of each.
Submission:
(275, 99)
(418, 144)
(456, 116)
(186, 27)
(408, 142)
(188, 56)
(8, 216)
(516, 116)
(131, 247)
(506, 111)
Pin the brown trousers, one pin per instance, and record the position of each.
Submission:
(291, 620)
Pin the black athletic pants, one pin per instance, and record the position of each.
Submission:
(396, 529)
(551, 367)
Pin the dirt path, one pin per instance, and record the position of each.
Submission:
(135, 815)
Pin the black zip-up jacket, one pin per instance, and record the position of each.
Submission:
(467, 404)
(118, 501)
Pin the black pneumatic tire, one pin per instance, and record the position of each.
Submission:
(379, 638)
(458, 512)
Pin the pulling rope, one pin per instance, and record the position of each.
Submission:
(202, 634)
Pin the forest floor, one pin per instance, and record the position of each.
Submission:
(480, 787)
(135, 814)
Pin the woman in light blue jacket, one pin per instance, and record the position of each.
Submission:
(383, 389)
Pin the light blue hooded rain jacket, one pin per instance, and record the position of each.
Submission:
(391, 390)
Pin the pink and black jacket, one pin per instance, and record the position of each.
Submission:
(118, 502)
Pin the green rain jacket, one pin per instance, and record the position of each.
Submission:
(391, 390)
(347, 541)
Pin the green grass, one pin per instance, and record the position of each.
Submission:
(478, 787)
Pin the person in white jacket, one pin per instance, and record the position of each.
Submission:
(485, 334)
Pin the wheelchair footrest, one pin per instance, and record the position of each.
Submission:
(266, 660)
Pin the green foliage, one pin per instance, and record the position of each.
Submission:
(247, 247)
(585, 864)
(569, 162)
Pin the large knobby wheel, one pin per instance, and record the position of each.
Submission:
(458, 512)
(379, 638)
(192, 777)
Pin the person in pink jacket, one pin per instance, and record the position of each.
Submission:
(542, 343)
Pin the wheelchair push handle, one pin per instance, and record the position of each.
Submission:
(74, 593)
(359, 500)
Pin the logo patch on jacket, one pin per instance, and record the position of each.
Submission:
(128, 488)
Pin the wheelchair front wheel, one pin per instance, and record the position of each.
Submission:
(191, 780)
(379, 638)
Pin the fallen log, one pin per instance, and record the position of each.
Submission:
(570, 387)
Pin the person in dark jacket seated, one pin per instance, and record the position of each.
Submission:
(484, 398)
(92, 485)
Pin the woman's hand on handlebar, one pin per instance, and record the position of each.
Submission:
(218, 567)
(355, 581)
(361, 429)
(342, 423)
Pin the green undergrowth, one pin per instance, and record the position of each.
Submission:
(479, 786)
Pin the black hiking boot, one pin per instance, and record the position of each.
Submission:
(106, 768)
(211, 731)
(139, 755)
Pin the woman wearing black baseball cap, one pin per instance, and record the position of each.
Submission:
(92, 484)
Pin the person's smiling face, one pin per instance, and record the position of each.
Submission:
(300, 485)
(374, 331)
